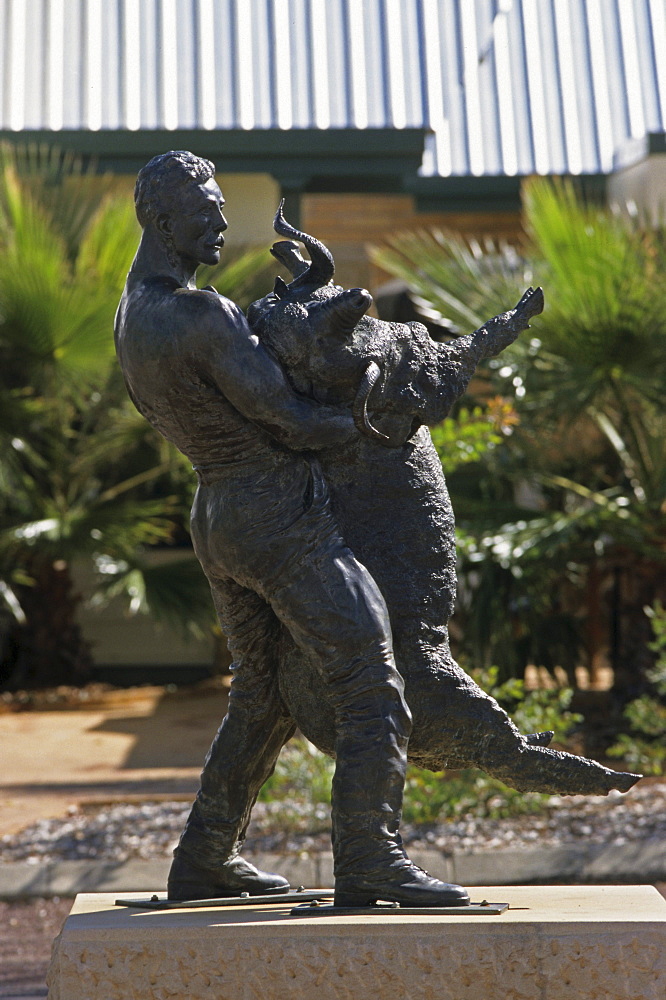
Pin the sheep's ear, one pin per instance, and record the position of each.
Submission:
(280, 288)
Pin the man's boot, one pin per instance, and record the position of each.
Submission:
(408, 885)
(194, 879)
(207, 862)
(370, 862)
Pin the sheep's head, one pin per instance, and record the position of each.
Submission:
(330, 348)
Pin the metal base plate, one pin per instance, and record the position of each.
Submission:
(160, 902)
(312, 903)
(319, 909)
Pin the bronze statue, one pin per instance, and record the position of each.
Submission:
(394, 511)
(308, 626)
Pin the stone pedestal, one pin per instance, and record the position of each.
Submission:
(554, 943)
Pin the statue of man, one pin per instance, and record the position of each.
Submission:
(264, 533)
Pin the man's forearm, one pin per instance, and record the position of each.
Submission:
(253, 381)
(305, 426)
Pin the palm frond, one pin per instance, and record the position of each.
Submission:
(108, 245)
(588, 386)
(66, 189)
(175, 593)
(458, 282)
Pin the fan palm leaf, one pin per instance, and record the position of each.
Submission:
(82, 476)
(588, 386)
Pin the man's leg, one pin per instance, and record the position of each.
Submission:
(335, 611)
(292, 555)
(241, 758)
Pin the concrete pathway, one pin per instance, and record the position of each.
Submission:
(141, 742)
(148, 743)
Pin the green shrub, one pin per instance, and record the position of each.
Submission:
(644, 747)
(532, 711)
(299, 792)
(433, 797)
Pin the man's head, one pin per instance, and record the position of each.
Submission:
(176, 193)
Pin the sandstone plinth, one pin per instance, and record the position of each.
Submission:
(554, 943)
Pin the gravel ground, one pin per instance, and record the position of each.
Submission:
(601, 819)
(123, 831)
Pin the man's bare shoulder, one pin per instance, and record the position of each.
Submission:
(183, 312)
(209, 304)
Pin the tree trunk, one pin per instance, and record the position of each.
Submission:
(595, 633)
(48, 649)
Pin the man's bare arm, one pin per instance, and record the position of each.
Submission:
(253, 382)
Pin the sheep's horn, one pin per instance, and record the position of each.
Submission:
(322, 266)
(341, 312)
(360, 407)
(280, 288)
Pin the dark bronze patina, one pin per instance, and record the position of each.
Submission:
(324, 527)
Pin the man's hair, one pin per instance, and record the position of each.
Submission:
(160, 183)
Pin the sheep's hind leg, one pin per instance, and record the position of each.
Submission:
(537, 769)
(456, 724)
(530, 766)
(473, 730)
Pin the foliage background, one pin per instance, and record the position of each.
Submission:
(562, 530)
(82, 476)
(556, 459)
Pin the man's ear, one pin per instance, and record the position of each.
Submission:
(163, 224)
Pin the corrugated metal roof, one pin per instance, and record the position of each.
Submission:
(507, 86)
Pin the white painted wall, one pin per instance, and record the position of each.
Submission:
(643, 185)
(120, 639)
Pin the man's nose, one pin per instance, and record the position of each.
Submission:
(222, 223)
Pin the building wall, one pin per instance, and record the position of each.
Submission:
(252, 200)
(121, 641)
(349, 223)
(644, 185)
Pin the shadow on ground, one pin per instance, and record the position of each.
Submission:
(177, 733)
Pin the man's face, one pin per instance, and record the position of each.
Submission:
(197, 225)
